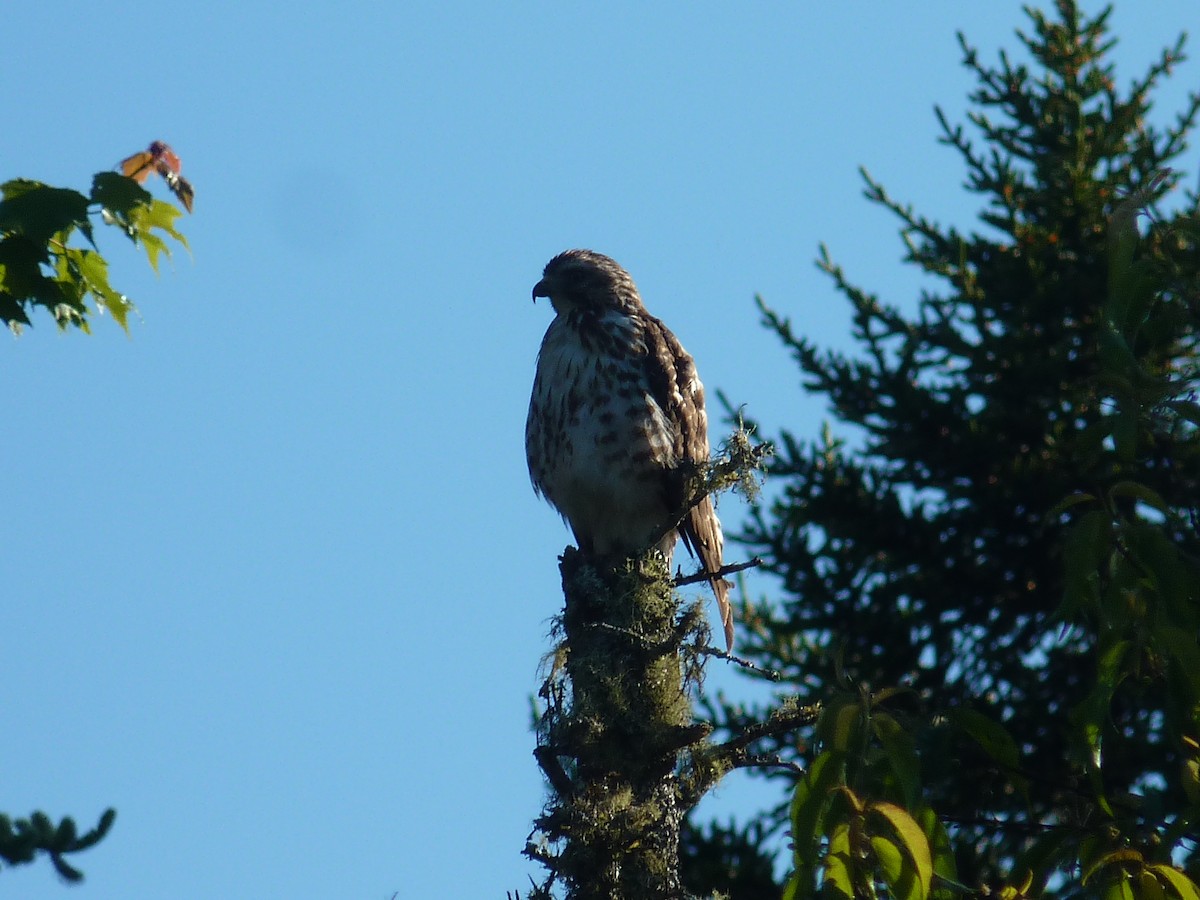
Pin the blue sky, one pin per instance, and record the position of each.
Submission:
(276, 584)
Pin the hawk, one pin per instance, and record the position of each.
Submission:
(617, 420)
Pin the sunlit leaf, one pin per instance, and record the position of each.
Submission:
(891, 862)
(912, 841)
(1114, 857)
(838, 877)
(92, 269)
(1183, 886)
(154, 247)
(161, 215)
(944, 863)
(1189, 773)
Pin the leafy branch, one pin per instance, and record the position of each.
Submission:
(40, 266)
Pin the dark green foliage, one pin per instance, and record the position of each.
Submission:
(22, 839)
(39, 267)
(1009, 526)
(728, 859)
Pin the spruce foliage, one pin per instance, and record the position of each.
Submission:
(1005, 519)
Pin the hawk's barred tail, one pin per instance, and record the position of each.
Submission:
(704, 531)
(721, 588)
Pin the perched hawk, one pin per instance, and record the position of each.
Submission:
(617, 410)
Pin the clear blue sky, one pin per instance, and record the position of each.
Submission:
(276, 585)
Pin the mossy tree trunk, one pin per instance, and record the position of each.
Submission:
(618, 736)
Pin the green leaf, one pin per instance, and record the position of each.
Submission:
(840, 724)
(891, 864)
(944, 864)
(157, 215)
(914, 843)
(38, 212)
(161, 215)
(1182, 646)
(12, 312)
(118, 194)
(838, 880)
(1126, 428)
(1149, 887)
(1183, 886)
(1119, 889)
(989, 735)
(900, 750)
(1085, 549)
(1068, 502)
(1136, 491)
(809, 804)
(92, 270)
(154, 246)
(1091, 715)
(1114, 857)
(21, 263)
(102, 828)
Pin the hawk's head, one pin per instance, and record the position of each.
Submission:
(588, 281)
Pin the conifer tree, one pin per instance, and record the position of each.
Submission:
(925, 541)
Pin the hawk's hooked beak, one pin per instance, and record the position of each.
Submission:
(541, 289)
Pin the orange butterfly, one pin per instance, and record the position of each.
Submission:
(160, 158)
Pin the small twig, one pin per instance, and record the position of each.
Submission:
(634, 636)
(547, 761)
(681, 580)
(709, 650)
(778, 723)
(735, 466)
(769, 762)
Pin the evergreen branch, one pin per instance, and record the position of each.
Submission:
(735, 468)
(783, 720)
(730, 569)
(770, 761)
(22, 839)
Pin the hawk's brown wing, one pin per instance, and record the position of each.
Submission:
(676, 387)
